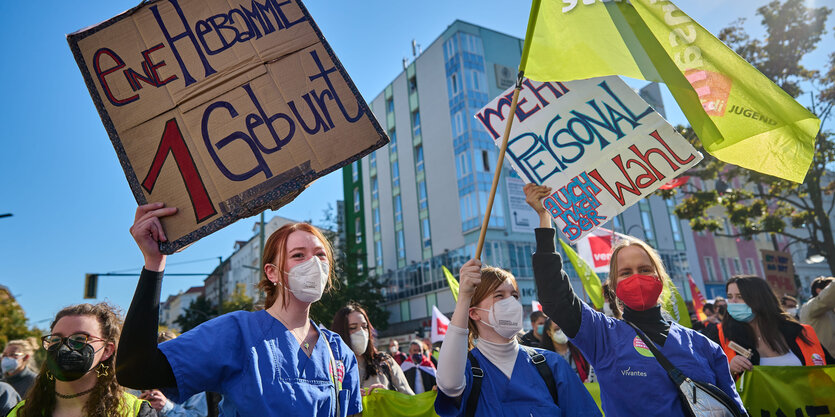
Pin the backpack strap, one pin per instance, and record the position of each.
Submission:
(544, 370)
(478, 377)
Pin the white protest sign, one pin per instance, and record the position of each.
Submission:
(595, 142)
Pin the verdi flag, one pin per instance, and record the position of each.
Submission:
(591, 283)
(673, 303)
(740, 116)
(788, 390)
(453, 283)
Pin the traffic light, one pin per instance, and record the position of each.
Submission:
(91, 285)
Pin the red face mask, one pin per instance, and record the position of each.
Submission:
(639, 292)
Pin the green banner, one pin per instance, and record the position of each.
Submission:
(673, 303)
(788, 390)
(740, 116)
(591, 283)
(386, 403)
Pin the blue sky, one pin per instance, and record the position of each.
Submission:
(60, 177)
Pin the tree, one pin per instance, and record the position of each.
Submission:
(238, 300)
(197, 312)
(348, 286)
(766, 204)
(13, 320)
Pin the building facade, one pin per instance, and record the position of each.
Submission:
(417, 204)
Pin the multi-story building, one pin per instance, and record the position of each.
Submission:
(417, 204)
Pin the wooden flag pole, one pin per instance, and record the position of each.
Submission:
(499, 164)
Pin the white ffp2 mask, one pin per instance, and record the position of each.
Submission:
(505, 317)
(307, 280)
(359, 341)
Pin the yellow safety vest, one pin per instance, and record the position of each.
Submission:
(128, 408)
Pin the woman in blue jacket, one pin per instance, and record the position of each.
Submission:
(509, 381)
(272, 362)
(632, 382)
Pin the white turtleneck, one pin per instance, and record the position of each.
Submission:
(453, 359)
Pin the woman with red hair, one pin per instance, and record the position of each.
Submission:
(273, 362)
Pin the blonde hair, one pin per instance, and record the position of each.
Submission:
(491, 278)
(654, 258)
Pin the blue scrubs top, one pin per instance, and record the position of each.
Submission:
(259, 367)
(632, 382)
(524, 394)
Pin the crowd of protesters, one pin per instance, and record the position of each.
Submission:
(278, 362)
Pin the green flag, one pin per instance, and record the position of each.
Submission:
(453, 283)
(788, 390)
(740, 116)
(673, 303)
(591, 283)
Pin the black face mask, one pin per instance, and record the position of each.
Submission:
(721, 310)
(417, 358)
(67, 364)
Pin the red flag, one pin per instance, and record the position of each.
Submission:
(698, 298)
(440, 323)
(535, 306)
(675, 182)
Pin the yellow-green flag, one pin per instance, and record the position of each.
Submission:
(740, 116)
(591, 283)
(788, 390)
(387, 403)
(673, 303)
(453, 283)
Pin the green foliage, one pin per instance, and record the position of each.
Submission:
(349, 285)
(197, 312)
(764, 204)
(238, 300)
(13, 320)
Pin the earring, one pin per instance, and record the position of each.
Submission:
(101, 370)
(49, 376)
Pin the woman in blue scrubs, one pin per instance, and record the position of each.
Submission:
(488, 314)
(272, 362)
(632, 382)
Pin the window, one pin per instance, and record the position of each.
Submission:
(390, 105)
(374, 189)
(427, 236)
(405, 314)
(711, 277)
(356, 199)
(376, 220)
(395, 174)
(393, 142)
(416, 123)
(723, 265)
(422, 195)
(453, 85)
(737, 266)
(398, 210)
(674, 224)
(751, 268)
(355, 170)
(646, 222)
(412, 85)
(358, 229)
(401, 245)
(378, 253)
(458, 125)
(372, 160)
(463, 164)
(419, 158)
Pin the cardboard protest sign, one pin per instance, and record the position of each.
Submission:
(222, 108)
(595, 142)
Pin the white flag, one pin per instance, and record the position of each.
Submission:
(439, 325)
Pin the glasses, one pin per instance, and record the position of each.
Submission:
(12, 355)
(75, 342)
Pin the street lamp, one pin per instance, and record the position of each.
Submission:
(814, 255)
